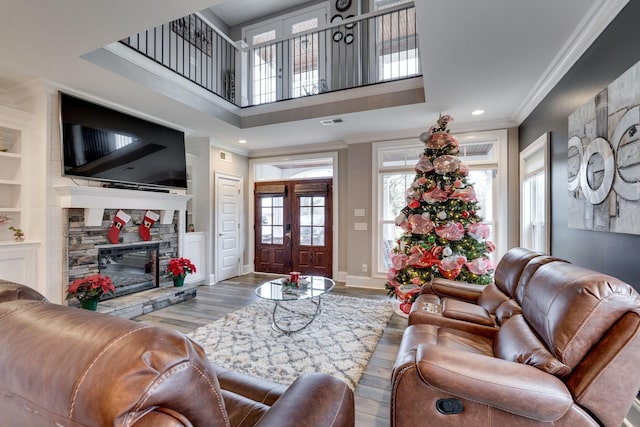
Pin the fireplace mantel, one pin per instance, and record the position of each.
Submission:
(94, 200)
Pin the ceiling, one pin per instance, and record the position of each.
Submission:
(501, 56)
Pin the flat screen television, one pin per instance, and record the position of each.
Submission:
(103, 144)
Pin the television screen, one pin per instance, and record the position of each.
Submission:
(103, 144)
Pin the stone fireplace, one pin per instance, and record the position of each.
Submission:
(135, 266)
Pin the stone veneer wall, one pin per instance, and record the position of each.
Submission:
(82, 241)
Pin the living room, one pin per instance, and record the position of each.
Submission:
(29, 99)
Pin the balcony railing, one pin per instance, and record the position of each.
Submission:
(360, 51)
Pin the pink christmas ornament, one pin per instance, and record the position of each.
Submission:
(435, 195)
(441, 139)
(467, 194)
(446, 164)
(420, 225)
(463, 169)
(479, 266)
(478, 231)
(424, 165)
(399, 261)
(451, 231)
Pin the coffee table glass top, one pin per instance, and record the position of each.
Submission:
(275, 291)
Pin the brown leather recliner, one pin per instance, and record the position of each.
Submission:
(569, 359)
(481, 309)
(63, 366)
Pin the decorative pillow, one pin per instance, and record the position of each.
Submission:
(515, 341)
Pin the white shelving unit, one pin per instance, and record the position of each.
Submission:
(13, 131)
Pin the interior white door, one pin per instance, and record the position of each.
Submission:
(228, 213)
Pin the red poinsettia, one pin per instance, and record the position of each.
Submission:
(90, 286)
(180, 267)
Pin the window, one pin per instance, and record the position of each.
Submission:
(395, 162)
(534, 194)
(286, 68)
(396, 42)
(271, 211)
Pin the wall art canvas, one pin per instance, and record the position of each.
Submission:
(604, 159)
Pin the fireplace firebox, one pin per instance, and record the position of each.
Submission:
(132, 268)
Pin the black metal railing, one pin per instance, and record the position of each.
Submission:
(191, 48)
(360, 51)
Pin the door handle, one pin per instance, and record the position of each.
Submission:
(288, 234)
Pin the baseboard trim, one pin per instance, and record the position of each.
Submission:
(365, 282)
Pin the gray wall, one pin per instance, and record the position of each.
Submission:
(613, 52)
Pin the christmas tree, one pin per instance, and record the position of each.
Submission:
(443, 235)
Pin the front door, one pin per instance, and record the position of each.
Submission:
(293, 227)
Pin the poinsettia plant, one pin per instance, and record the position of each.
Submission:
(90, 286)
(180, 267)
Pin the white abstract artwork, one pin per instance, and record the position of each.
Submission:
(604, 159)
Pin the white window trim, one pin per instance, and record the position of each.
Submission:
(542, 143)
(502, 183)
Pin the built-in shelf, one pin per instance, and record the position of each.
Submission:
(94, 200)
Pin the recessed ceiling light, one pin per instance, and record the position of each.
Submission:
(330, 122)
(477, 112)
(242, 141)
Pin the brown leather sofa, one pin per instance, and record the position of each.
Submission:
(479, 308)
(64, 366)
(569, 356)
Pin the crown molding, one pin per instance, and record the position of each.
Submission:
(592, 25)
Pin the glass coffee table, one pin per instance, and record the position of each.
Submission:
(295, 308)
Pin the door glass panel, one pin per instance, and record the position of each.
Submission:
(305, 236)
(318, 236)
(278, 235)
(305, 216)
(272, 217)
(318, 216)
(312, 221)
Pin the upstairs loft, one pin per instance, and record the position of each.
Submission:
(350, 64)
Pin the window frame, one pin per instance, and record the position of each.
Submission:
(500, 186)
(541, 143)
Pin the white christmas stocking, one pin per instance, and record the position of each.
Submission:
(150, 218)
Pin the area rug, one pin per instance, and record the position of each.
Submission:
(342, 345)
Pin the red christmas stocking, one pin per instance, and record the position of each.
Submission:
(149, 219)
(119, 220)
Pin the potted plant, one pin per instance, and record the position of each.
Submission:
(178, 268)
(18, 235)
(88, 290)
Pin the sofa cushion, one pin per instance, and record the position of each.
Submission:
(516, 342)
(571, 308)
(508, 270)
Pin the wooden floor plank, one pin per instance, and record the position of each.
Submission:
(214, 302)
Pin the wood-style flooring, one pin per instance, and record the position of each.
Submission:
(213, 302)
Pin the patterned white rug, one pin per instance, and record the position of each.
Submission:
(350, 328)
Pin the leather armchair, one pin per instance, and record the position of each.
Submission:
(480, 309)
(570, 358)
(67, 366)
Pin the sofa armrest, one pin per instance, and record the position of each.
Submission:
(451, 288)
(313, 399)
(513, 387)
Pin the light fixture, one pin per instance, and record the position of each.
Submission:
(242, 141)
(477, 112)
(330, 122)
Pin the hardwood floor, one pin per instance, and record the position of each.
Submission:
(213, 302)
